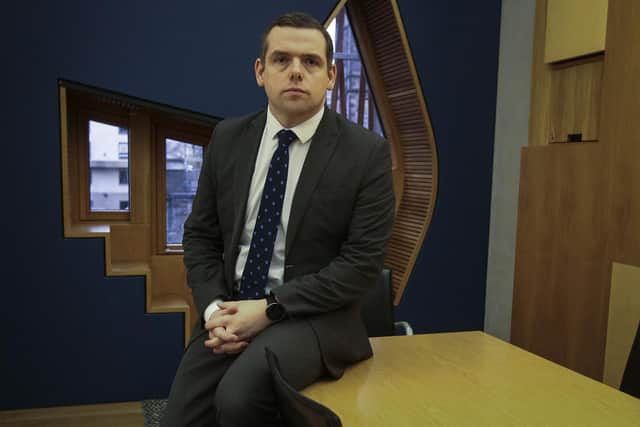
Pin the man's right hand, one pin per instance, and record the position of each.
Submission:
(221, 341)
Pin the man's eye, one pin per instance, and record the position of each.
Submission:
(311, 61)
(281, 59)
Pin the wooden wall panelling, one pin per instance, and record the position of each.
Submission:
(559, 304)
(575, 99)
(140, 154)
(574, 28)
(65, 159)
(168, 291)
(539, 123)
(130, 243)
(532, 305)
(565, 97)
(620, 129)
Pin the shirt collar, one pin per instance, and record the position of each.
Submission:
(304, 131)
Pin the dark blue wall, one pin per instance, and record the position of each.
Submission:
(68, 335)
(455, 47)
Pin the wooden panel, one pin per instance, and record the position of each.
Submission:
(574, 28)
(65, 157)
(130, 243)
(624, 316)
(169, 280)
(561, 275)
(554, 258)
(620, 129)
(575, 100)
(104, 415)
(169, 275)
(394, 80)
(468, 379)
(140, 155)
(539, 123)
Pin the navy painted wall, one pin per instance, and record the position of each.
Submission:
(68, 335)
(455, 47)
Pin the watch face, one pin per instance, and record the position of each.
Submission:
(275, 312)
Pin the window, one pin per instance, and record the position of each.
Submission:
(108, 173)
(183, 162)
(99, 128)
(104, 185)
(124, 177)
(351, 95)
(123, 150)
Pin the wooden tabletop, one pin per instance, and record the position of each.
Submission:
(468, 379)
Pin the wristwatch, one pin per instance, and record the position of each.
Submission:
(275, 311)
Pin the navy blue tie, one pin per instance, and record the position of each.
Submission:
(256, 269)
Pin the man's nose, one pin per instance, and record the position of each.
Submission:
(296, 69)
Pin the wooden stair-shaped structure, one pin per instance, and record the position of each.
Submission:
(165, 284)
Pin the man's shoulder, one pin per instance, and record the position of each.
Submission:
(350, 131)
(234, 125)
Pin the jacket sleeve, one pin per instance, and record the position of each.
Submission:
(361, 256)
(202, 240)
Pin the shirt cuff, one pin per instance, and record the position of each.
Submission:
(211, 308)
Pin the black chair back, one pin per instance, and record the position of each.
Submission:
(377, 308)
(631, 377)
(296, 409)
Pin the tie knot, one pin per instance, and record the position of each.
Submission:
(286, 136)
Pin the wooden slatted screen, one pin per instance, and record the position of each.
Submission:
(395, 85)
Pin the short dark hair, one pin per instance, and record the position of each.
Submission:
(298, 20)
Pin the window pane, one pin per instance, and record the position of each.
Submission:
(351, 95)
(108, 169)
(183, 162)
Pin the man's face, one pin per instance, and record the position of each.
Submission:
(295, 74)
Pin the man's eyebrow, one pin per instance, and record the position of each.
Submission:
(305, 55)
(279, 52)
(313, 56)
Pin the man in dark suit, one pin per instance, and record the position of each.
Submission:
(288, 231)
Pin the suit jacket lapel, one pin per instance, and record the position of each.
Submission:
(247, 146)
(323, 143)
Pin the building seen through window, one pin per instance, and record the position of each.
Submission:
(351, 95)
(183, 163)
(108, 170)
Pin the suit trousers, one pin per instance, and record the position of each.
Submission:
(236, 390)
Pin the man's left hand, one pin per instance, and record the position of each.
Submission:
(248, 319)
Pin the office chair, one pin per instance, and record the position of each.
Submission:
(296, 409)
(631, 377)
(377, 310)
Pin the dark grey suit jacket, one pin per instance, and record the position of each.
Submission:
(340, 221)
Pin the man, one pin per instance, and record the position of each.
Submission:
(288, 231)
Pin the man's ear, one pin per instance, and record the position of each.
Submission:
(259, 68)
(332, 76)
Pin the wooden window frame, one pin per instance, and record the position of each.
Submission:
(147, 129)
(83, 109)
(184, 132)
(131, 243)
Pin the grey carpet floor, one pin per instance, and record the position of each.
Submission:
(153, 410)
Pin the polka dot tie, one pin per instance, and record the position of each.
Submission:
(256, 269)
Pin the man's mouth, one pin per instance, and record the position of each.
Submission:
(295, 90)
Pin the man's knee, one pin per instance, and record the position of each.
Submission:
(241, 402)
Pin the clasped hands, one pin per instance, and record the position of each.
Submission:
(234, 324)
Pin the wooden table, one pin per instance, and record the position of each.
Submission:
(468, 379)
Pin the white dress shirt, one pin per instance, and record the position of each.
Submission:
(297, 154)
